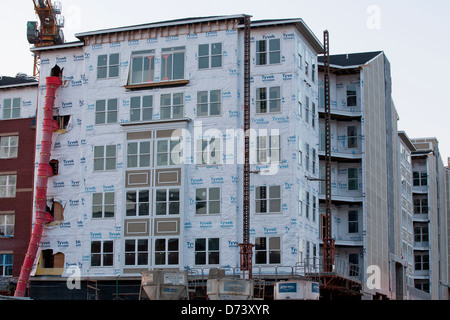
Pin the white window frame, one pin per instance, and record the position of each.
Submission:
(268, 99)
(355, 178)
(144, 55)
(138, 203)
(7, 223)
(105, 157)
(108, 66)
(166, 252)
(102, 254)
(7, 268)
(9, 147)
(140, 158)
(208, 103)
(8, 183)
(207, 200)
(171, 106)
(11, 108)
(167, 202)
(141, 108)
(265, 57)
(109, 113)
(165, 70)
(207, 251)
(208, 151)
(268, 147)
(270, 248)
(104, 205)
(136, 252)
(172, 151)
(264, 196)
(210, 56)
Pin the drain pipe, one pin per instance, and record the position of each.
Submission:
(50, 125)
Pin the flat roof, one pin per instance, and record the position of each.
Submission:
(18, 81)
(351, 60)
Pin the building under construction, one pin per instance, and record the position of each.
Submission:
(194, 147)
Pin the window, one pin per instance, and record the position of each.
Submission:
(300, 104)
(168, 152)
(314, 208)
(268, 100)
(103, 205)
(138, 203)
(136, 252)
(11, 108)
(104, 158)
(172, 106)
(102, 253)
(353, 261)
(210, 56)
(208, 151)
(106, 111)
(307, 156)
(352, 137)
(353, 221)
(307, 68)
(268, 149)
(313, 161)
(7, 226)
(166, 251)
(8, 186)
(351, 96)
(424, 285)
(9, 147)
(353, 179)
(267, 250)
(307, 205)
(313, 72)
(141, 108)
(307, 109)
(167, 201)
(6, 265)
(420, 178)
(268, 52)
(108, 66)
(300, 202)
(207, 251)
(207, 201)
(420, 205)
(172, 63)
(313, 115)
(421, 233)
(63, 122)
(422, 261)
(268, 199)
(209, 103)
(142, 67)
(300, 55)
(138, 154)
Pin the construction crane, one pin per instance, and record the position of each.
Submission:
(328, 241)
(246, 247)
(49, 32)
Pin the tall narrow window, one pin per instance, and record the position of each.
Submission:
(351, 96)
(268, 51)
(210, 56)
(172, 63)
(307, 109)
(142, 67)
(353, 221)
(108, 66)
(353, 179)
(7, 223)
(9, 147)
(352, 137)
(307, 205)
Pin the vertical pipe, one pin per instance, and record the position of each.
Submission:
(41, 185)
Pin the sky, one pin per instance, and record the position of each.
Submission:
(413, 34)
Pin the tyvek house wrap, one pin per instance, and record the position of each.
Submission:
(77, 180)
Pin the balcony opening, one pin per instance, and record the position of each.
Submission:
(50, 264)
